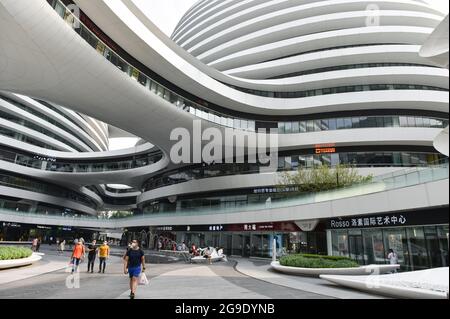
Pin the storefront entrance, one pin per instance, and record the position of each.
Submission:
(418, 247)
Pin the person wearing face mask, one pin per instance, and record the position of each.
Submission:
(134, 264)
(103, 253)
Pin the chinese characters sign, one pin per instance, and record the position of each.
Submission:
(385, 220)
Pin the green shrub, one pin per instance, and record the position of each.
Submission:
(317, 261)
(8, 253)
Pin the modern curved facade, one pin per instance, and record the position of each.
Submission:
(340, 82)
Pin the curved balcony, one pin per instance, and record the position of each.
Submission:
(414, 183)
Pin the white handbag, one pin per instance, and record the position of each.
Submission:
(143, 281)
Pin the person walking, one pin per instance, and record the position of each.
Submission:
(92, 253)
(34, 244)
(62, 246)
(134, 265)
(38, 244)
(77, 255)
(103, 253)
(393, 258)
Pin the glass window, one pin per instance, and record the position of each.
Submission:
(317, 126)
(324, 125)
(340, 124)
(348, 123)
(374, 247)
(355, 122)
(332, 124)
(310, 126)
(302, 127)
(380, 121)
(363, 122)
(417, 248)
(395, 239)
(411, 121)
(288, 127)
(395, 121)
(295, 127)
(403, 121)
(388, 122)
(340, 243)
(281, 127)
(419, 122)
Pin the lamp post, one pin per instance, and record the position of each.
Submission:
(274, 250)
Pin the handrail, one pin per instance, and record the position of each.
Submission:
(88, 167)
(385, 182)
(172, 97)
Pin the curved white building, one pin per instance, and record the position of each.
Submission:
(340, 81)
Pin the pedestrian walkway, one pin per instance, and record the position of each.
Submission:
(192, 282)
(42, 267)
(261, 270)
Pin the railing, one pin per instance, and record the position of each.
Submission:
(172, 97)
(60, 166)
(220, 170)
(386, 182)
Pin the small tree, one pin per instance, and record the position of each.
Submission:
(322, 178)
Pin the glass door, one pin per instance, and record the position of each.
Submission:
(356, 248)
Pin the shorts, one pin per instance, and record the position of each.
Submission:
(134, 271)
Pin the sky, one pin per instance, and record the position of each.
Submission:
(166, 14)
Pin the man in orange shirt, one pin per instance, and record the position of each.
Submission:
(77, 255)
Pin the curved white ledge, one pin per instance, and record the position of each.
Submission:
(14, 263)
(277, 12)
(436, 47)
(441, 142)
(422, 284)
(44, 198)
(316, 272)
(314, 24)
(324, 40)
(432, 194)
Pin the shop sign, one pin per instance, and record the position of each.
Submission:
(11, 225)
(43, 227)
(216, 228)
(386, 220)
(436, 216)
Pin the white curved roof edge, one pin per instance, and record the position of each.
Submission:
(43, 138)
(336, 38)
(284, 14)
(135, 150)
(397, 75)
(408, 198)
(133, 177)
(436, 48)
(234, 182)
(311, 25)
(194, 12)
(441, 142)
(46, 111)
(68, 138)
(131, 29)
(215, 12)
(308, 61)
(40, 197)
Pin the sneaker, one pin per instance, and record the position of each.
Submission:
(131, 295)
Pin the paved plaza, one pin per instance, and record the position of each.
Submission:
(236, 279)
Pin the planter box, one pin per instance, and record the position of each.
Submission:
(13, 263)
(316, 272)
